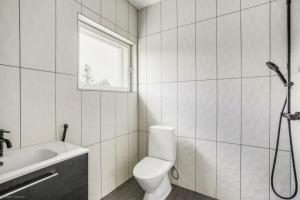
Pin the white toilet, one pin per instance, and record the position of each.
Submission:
(152, 172)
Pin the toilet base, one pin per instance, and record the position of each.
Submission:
(162, 191)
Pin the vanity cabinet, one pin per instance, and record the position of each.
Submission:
(67, 180)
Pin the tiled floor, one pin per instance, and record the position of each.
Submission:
(132, 191)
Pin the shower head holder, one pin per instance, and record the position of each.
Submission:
(292, 117)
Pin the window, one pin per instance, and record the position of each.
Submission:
(104, 61)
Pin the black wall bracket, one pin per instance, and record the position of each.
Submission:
(293, 117)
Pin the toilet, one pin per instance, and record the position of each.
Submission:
(152, 172)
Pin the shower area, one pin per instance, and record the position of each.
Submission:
(202, 69)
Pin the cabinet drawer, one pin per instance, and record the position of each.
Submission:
(67, 180)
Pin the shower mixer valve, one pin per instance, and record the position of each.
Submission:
(290, 116)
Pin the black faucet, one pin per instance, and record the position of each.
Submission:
(6, 141)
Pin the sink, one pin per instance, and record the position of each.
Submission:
(24, 159)
(19, 162)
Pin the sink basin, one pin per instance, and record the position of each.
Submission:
(19, 162)
(24, 159)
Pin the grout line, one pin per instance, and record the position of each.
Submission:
(195, 83)
(177, 85)
(270, 93)
(161, 66)
(20, 75)
(211, 18)
(55, 69)
(115, 139)
(217, 100)
(241, 98)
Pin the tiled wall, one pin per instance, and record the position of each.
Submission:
(202, 70)
(38, 85)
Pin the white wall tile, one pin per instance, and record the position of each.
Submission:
(206, 165)
(169, 104)
(108, 115)
(205, 9)
(121, 114)
(142, 107)
(227, 6)
(206, 50)
(228, 171)
(94, 172)
(109, 167)
(169, 55)
(122, 159)
(9, 36)
(229, 110)
(90, 117)
(154, 58)
(91, 14)
(296, 106)
(255, 173)
(93, 5)
(255, 34)
(278, 95)
(142, 22)
(187, 109)
(278, 34)
(186, 53)
(153, 18)
(229, 46)
(132, 20)
(68, 108)
(186, 12)
(38, 34)
(251, 3)
(153, 104)
(108, 10)
(168, 14)
(295, 27)
(206, 110)
(282, 174)
(106, 23)
(142, 60)
(186, 163)
(132, 112)
(66, 37)
(37, 107)
(10, 95)
(142, 145)
(121, 32)
(122, 14)
(255, 108)
(133, 152)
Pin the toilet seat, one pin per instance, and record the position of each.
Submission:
(149, 168)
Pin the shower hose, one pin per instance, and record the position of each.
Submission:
(292, 155)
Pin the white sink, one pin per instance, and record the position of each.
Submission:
(23, 159)
(19, 162)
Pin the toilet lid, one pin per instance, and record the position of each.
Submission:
(151, 167)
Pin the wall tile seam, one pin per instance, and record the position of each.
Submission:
(116, 26)
(204, 20)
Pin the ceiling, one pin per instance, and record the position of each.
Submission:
(142, 3)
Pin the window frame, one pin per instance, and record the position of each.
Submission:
(110, 35)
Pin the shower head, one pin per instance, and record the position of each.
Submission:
(272, 66)
(275, 68)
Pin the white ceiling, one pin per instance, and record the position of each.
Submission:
(142, 3)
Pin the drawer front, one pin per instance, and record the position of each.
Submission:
(66, 180)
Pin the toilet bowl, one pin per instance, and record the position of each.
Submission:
(152, 172)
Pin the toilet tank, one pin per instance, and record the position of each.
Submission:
(162, 143)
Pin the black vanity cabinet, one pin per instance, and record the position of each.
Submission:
(67, 180)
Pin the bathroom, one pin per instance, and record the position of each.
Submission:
(98, 95)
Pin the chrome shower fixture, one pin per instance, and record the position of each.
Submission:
(275, 68)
